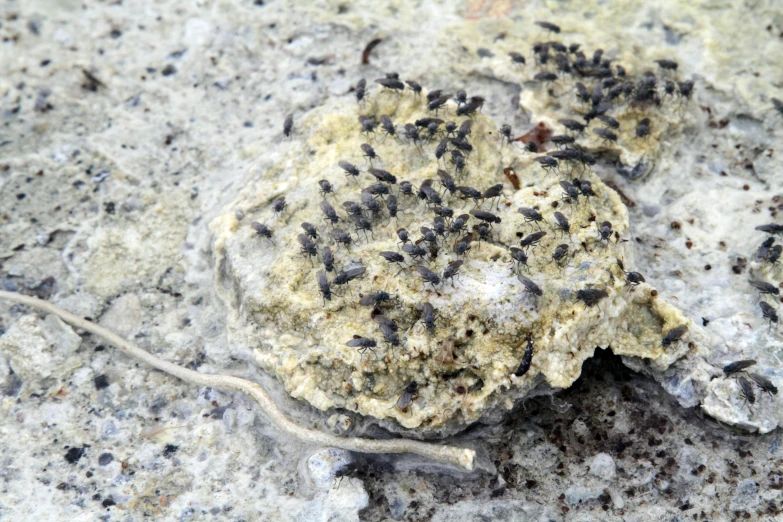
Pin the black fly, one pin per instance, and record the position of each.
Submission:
(310, 230)
(516, 58)
(428, 316)
(643, 128)
(415, 251)
(562, 224)
(605, 231)
(530, 286)
(531, 215)
(369, 152)
(674, 335)
(494, 192)
(573, 125)
(737, 367)
(261, 230)
(328, 258)
(326, 187)
(532, 239)
(406, 188)
(308, 247)
(769, 313)
(560, 253)
(505, 132)
(342, 237)
(427, 275)
(547, 162)
(764, 383)
(361, 87)
(279, 204)
(764, 287)
(459, 224)
(346, 276)
(746, 391)
(392, 257)
(518, 257)
(452, 270)
(349, 168)
(486, 217)
(407, 396)
(469, 193)
(374, 298)
(527, 358)
(447, 181)
(323, 286)
(362, 343)
(549, 26)
(606, 134)
(329, 212)
(368, 126)
(591, 296)
(387, 125)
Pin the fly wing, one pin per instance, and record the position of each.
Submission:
(353, 273)
(323, 282)
(367, 300)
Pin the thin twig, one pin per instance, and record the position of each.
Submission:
(462, 457)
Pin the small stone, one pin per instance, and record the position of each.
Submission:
(105, 459)
(324, 466)
(576, 495)
(73, 455)
(123, 316)
(101, 382)
(746, 496)
(603, 467)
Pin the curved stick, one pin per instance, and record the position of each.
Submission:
(463, 457)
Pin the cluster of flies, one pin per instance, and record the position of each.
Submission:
(382, 198)
(600, 86)
(768, 252)
(737, 369)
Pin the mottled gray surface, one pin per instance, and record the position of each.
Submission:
(106, 189)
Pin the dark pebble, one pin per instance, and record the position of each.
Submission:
(168, 70)
(170, 450)
(73, 455)
(101, 382)
(105, 459)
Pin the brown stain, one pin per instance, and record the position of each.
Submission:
(512, 177)
(625, 199)
(539, 135)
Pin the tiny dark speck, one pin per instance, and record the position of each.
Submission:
(21, 196)
(258, 2)
(44, 63)
(485, 53)
(248, 124)
(705, 321)
(101, 382)
(105, 459)
(73, 455)
(170, 450)
(168, 70)
(115, 33)
(109, 207)
(108, 502)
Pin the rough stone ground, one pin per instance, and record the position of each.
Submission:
(108, 178)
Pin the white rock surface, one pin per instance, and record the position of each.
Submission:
(106, 190)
